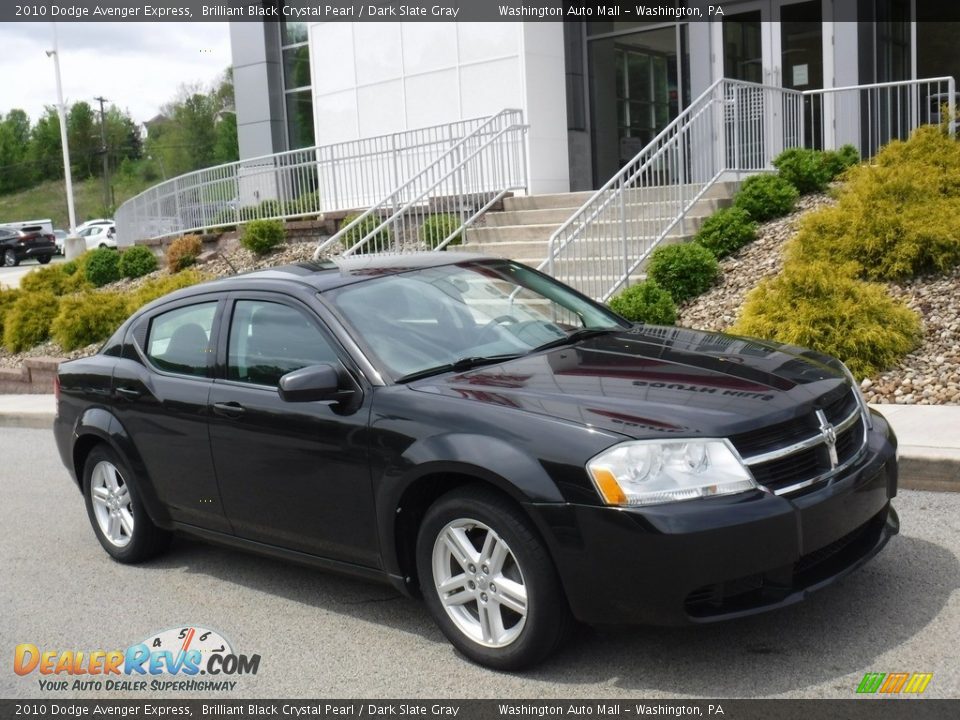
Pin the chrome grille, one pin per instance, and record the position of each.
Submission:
(796, 455)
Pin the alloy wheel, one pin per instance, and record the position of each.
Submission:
(480, 583)
(112, 504)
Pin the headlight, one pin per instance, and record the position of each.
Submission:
(651, 472)
(864, 410)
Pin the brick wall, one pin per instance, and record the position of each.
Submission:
(35, 376)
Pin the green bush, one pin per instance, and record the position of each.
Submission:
(726, 231)
(766, 197)
(88, 318)
(27, 322)
(70, 267)
(183, 252)
(7, 300)
(684, 271)
(837, 161)
(102, 267)
(158, 287)
(436, 228)
(50, 279)
(137, 261)
(805, 169)
(645, 302)
(378, 242)
(822, 306)
(262, 236)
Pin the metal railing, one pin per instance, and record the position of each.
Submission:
(733, 128)
(434, 207)
(298, 183)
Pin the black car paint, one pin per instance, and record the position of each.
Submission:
(526, 426)
(27, 245)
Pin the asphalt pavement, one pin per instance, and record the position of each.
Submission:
(321, 635)
(10, 276)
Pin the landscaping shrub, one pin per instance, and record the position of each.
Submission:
(837, 161)
(262, 236)
(183, 252)
(766, 197)
(50, 279)
(7, 300)
(821, 305)
(27, 322)
(158, 287)
(137, 261)
(892, 221)
(726, 231)
(684, 271)
(380, 241)
(88, 318)
(436, 228)
(102, 267)
(645, 302)
(807, 170)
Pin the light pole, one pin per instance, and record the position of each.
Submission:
(63, 133)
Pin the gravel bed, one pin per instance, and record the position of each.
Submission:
(928, 376)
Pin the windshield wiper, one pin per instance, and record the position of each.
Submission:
(458, 365)
(575, 336)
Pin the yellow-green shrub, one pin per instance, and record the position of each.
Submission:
(183, 252)
(7, 299)
(822, 305)
(27, 322)
(50, 278)
(87, 318)
(157, 288)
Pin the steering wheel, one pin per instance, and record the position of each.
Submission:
(498, 320)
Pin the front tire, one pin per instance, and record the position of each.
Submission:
(116, 512)
(44, 259)
(10, 259)
(488, 580)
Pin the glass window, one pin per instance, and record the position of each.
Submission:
(179, 340)
(268, 340)
(296, 67)
(292, 32)
(300, 119)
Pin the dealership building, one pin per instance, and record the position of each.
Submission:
(593, 93)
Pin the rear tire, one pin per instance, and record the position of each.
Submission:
(44, 259)
(488, 580)
(10, 259)
(117, 515)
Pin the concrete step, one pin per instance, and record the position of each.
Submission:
(534, 251)
(577, 199)
(550, 216)
(527, 233)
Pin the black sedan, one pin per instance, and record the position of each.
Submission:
(17, 244)
(478, 434)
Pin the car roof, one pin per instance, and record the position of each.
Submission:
(330, 274)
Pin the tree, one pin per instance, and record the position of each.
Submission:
(15, 169)
(84, 139)
(45, 154)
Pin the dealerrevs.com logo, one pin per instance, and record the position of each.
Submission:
(171, 660)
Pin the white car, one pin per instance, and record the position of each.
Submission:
(99, 236)
(97, 221)
(61, 237)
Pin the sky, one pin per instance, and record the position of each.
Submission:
(136, 66)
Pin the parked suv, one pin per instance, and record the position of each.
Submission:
(479, 435)
(26, 243)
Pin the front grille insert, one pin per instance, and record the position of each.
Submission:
(796, 455)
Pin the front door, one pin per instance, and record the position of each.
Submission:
(778, 43)
(291, 474)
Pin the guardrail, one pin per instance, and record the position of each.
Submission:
(435, 206)
(733, 128)
(297, 183)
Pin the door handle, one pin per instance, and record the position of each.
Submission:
(228, 409)
(128, 393)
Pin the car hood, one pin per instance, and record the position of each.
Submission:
(657, 381)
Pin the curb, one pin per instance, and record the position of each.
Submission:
(917, 471)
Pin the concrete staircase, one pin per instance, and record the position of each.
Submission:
(522, 230)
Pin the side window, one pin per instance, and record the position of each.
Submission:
(268, 340)
(179, 340)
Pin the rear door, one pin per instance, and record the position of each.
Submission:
(161, 392)
(292, 474)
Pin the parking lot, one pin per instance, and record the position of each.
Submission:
(321, 635)
(10, 276)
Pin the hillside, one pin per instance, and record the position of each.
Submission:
(49, 200)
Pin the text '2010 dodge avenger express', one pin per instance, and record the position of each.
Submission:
(476, 433)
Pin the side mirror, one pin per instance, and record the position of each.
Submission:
(311, 384)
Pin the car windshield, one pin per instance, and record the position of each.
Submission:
(454, 317)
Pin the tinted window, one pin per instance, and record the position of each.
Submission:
(179, 340)
(268, 340)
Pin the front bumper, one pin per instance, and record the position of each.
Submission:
(723, 557)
